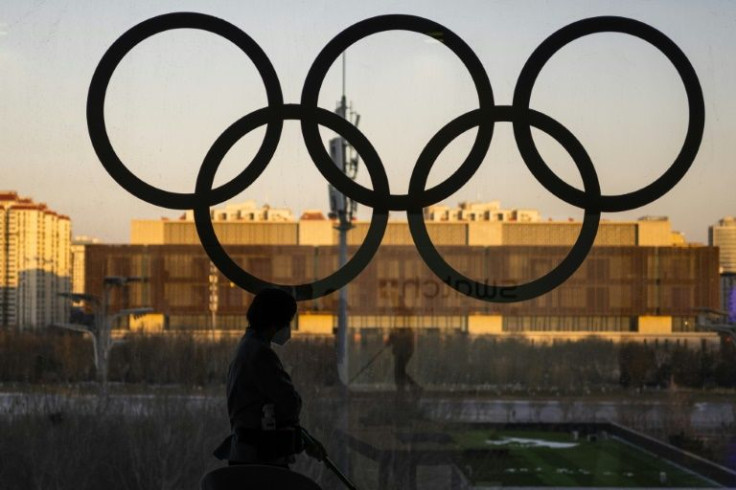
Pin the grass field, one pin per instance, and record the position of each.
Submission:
(538, 458)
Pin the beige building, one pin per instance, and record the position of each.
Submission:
(479, 211)
(78, 248)
(474, 224)
(35, 263)
(723, 236)
(621, 292)
(641, 280)
(246, 211)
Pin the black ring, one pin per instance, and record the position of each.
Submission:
(310, 98)
(696, 105)
(96, 106)
(206, 176)
(380, 198)
(537, 287)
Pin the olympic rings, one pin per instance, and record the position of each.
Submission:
(96, 107)
(322, 64)
(696, 124)
(222, 145)
(379, 198)
(506, 294)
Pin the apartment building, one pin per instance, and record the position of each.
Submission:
(35, 263)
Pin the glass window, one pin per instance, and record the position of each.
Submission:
(163, 167)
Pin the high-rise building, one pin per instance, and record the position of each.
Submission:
(728, 295)
(35, 263)
(723, 236)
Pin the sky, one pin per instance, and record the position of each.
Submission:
(174, 94)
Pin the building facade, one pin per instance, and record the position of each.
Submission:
(618, 292)
(35, 263)
(78, 247)
(723, 236)
(479, 211)
(476, 227)
(640, 279)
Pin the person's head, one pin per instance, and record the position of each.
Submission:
(270, 311)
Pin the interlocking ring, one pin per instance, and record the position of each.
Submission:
(494, 293)
(696, 107)
(222, 145)
(313, 83)
(96, 109)
(380, 198)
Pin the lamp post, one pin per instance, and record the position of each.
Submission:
(343, 209)
(101, 328)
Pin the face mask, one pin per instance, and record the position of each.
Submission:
(281, 336)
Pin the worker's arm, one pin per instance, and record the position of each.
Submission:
(275, 384)
(312, 446)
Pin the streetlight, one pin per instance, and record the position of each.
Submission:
(344, 210)
(101, 329)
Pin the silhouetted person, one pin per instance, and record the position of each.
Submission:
(262, 402)
(401, 341)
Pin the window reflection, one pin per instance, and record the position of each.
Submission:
(633, 355)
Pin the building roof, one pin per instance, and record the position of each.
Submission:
(8, 195)
(23, 206)
(312, 214)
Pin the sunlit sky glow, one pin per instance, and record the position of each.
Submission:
(175, 93)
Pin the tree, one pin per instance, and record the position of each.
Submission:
(637, 364)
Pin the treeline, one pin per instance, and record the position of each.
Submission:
(67, 357)
(643, 365)
(447, 360)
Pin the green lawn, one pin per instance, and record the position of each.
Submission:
(603, 463)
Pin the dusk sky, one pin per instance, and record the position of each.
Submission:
(176, 92)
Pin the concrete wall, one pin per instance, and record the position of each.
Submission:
(316, 232)
(147, 232)
(566, 233)
(397, 233)
(482, 233)
(485, 233)
(654, 233)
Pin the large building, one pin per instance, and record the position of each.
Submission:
(723, 236)
(479, 211)
(639, 279)
(35, 263)
(79, 243)
(473, 224)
